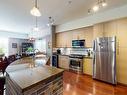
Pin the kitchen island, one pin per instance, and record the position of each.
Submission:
(28, 76)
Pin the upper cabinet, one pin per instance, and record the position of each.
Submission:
(64, 39)
(110, 28)
(122, 32)
(116, 28)
(98, 30)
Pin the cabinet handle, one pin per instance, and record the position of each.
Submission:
(117, 48)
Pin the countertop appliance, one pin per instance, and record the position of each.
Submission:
(104, 61)
(76, 63)
(78, 43)
(58, 51)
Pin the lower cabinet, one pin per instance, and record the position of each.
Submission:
(63, 62)
(87, 66)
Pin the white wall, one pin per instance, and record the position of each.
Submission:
(19, 42)
(13, 35)
(93, 19)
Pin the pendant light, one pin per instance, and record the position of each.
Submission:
(35, 10)
(51, 21)
(36, 29)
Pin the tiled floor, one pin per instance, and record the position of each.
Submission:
(75, 84)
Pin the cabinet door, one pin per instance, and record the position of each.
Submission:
(58, 40)
(121, 66)
(110, 28)
(68, 39)
(63, 39)
(88, 36)
(87, 66)
(98, 30)
(122, 32)
(63, 62)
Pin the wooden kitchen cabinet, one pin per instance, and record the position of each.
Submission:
(87, 66)
(63, 62)
(63, 39)
(98, 30)
(58, 40)
(121, 66)
(122, 32)
(110, 28)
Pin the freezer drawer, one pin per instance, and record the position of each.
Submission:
(104, 67)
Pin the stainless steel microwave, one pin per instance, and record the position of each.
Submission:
(78, 43)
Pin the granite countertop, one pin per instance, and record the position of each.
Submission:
(28, 72)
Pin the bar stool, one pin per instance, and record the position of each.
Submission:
(2, 83)
(6, 63)
(2, 65)
(11, 58)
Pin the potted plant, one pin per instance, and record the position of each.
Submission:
(30, 51)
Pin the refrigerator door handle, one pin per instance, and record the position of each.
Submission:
(94, 65)
(94, 45)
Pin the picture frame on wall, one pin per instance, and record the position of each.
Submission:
(14, 45)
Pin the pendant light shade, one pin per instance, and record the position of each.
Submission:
(35, 10)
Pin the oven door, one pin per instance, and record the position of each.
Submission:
(75, 63)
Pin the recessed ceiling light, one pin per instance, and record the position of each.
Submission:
(100, 4)
(95, 8)
(104, 4)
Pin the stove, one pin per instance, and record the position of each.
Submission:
(76, 63)
(76, 56)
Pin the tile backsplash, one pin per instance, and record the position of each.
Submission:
(80, 51)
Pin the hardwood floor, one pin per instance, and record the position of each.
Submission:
(75, 84)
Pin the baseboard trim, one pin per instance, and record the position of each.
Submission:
(118, 83)
(87, 75)
(122, 84)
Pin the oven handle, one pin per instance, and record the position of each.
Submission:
(77, 59)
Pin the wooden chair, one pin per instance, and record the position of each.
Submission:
(6, 63)
(2, 83)
(3, 64)
(11, 58)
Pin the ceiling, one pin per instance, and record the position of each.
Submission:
(15, 14)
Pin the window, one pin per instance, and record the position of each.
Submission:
(4, 46)
(40, 45)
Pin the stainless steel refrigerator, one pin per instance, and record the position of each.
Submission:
(104, 60)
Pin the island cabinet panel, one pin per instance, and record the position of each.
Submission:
(53, 86)
(26, 77)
